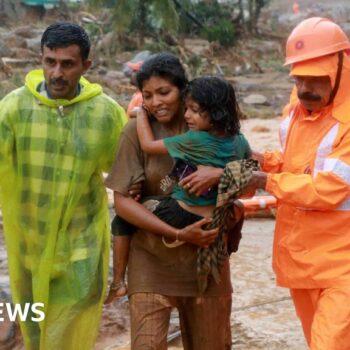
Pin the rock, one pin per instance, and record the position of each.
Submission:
(5, 68)
(7, 327)
(113, 74)
(18, 52)
(26, 32)
(13, 40)
(4, 51)
(261, 128)
(256, 99)
(197, 46)
(34, 43)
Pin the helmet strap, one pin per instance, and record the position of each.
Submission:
(338, 77)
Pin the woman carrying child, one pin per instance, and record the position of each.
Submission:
(161, 278)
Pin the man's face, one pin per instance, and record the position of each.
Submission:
(63, 68)
(313, 92)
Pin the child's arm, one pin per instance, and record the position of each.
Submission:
(148, 144)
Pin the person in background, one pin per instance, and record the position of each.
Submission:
(159, 278)
(310, 177)
(59, 132)
(136, 99)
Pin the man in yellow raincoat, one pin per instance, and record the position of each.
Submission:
(310, 178)
(58, 134)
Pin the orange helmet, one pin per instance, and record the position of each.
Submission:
(315, 37)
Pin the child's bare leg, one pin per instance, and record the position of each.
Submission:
(118, 288)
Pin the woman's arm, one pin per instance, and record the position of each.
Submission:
(138, 215)
(146, 137)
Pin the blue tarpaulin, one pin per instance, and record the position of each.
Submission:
(41, 2)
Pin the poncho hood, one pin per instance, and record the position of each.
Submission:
(35, 77)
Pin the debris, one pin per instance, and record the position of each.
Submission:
(256, 99)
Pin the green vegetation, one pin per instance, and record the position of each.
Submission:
(167, 21)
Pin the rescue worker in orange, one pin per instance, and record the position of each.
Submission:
(137, 99)
(310, 178)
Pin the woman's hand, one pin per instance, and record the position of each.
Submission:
(195, 234)
(201, 180)
(135, 191)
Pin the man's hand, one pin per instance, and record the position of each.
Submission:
(258, 156)
(201, 180)
(257, 181)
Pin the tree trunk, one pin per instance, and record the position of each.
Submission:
(14, 10)
(241, 14)
(9, 8)
(143, 4)
(251, 15)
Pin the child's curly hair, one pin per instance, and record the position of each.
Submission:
(216, 96)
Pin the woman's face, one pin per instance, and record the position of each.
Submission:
(161, 98)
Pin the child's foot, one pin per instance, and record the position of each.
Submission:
(117, 290)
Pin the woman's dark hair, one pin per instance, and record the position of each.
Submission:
(164, 65)
(63, 34)
(217, 97)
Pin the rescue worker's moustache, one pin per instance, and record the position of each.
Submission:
(309, 96)
(58, 81)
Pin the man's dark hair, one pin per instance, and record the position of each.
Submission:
(64, 34)
(217, 98)
(164, 65)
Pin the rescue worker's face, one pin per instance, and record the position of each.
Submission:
(313, 92)
(63, 68)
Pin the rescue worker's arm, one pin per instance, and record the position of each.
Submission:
(324, 191)
(271, 162)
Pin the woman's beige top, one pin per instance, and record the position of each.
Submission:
(153, 267)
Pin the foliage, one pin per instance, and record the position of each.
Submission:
(223, 32)
(214, 21)
(140, 16)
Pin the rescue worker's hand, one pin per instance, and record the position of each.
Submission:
(135, 191)
(195, 234)
(258, 156)
(257, 181)
(201, 180)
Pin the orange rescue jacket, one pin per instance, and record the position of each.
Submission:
(310, 178)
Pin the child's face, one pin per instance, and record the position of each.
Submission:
(196, 119)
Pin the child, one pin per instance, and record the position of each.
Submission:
(214, 139)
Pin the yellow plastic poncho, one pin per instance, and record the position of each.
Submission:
(52, 155)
